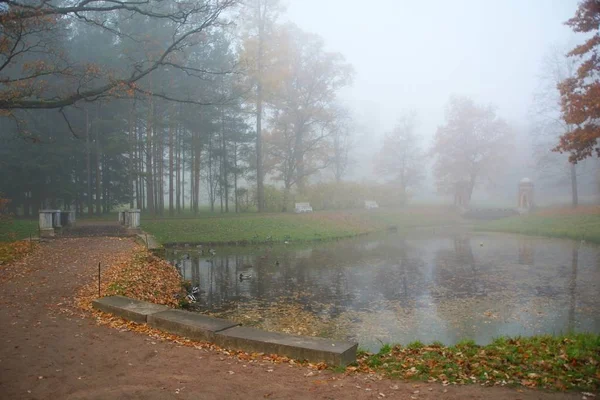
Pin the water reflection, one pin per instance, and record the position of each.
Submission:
(400, 288)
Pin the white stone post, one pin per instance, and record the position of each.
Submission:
(46, 226)
(122, 217)
(134, 219)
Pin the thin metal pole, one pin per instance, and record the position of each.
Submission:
(147, 241)
(98, 279)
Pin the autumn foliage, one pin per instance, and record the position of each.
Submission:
(580, 95)
(143, 276)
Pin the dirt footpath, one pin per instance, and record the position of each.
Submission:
(46, 353)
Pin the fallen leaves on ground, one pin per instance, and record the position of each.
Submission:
(141, 276)
(558, 363)
(12, 252)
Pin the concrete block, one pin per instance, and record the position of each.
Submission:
(191, 325)
(131, 309)
(312, 349)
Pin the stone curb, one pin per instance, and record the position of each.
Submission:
(229, 334)
(131, 309)
(309, 348)
(191, 325)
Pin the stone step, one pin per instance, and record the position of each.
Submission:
(130, 309)
(312, 349)
(191, 325)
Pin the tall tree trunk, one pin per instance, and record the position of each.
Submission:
(130, 164)
(178, 170)
(136, 163)
(224, 168)
(161, 174)
(98, 173)
(260, 191)
(211, 187)
(235, 176)
(197, 173)
(193, 172)
(140, 169)
(183, 179)
(171, 164)
(149, 174)
(88, 147)
(286, 196)
(574, 197)
(155, 162)
(299, 155)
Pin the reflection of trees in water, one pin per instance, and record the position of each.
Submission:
(526, 253)
(401, 277)
(330, 279)
(457, 272)
(572, 289)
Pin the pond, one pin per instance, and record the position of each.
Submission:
(426, 285)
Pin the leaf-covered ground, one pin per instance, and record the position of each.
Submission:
(569, 362)
(14, 251)
(141, 276)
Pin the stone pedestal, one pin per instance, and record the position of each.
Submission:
(134, 219)
(56, 223)
(46, 223)
(67, 218)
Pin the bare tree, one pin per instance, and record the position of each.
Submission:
(401, 159)
(283, 153)
(261, 16)
(549, 123)
(341, 132)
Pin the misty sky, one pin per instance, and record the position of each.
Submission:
(415, 54)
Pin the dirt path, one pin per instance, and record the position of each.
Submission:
(49, 354)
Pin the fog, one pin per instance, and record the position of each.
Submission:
(158, 107)
(414, 55)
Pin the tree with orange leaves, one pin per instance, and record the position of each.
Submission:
(36, 72)
(580, 94)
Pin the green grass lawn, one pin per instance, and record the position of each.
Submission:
(256, 228)
(17, 229)
(573, 226)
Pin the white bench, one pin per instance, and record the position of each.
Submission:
(370, 204)
(302, 208)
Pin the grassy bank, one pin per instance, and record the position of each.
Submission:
(17, 229)
(578, 226)
(257, 228)
(560, 363)
(12, 247)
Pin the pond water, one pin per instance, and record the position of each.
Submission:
(425, 285)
